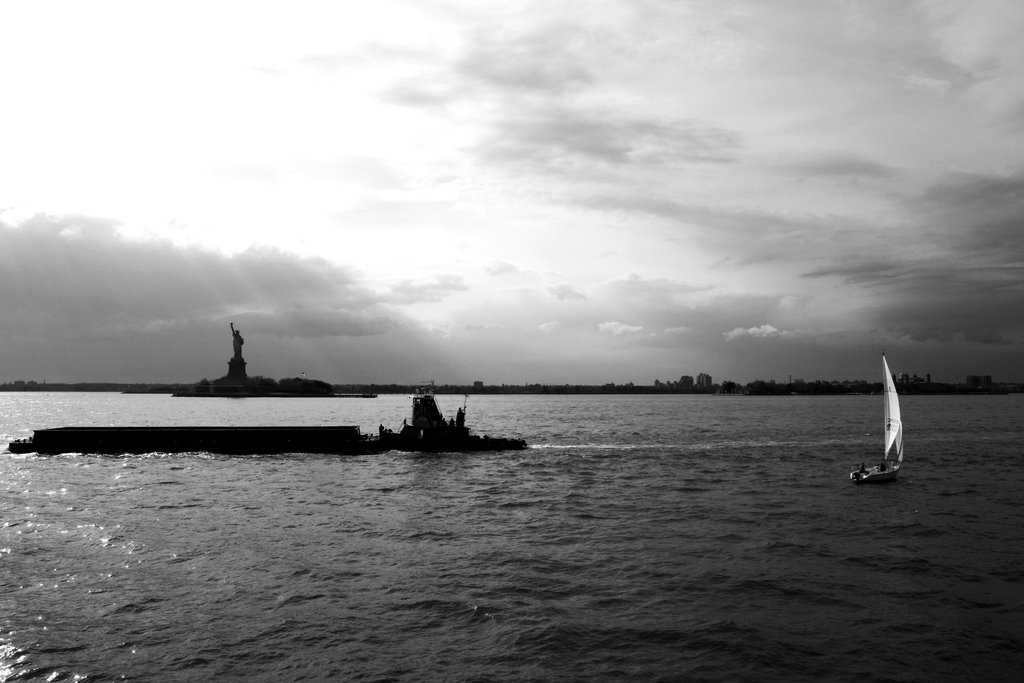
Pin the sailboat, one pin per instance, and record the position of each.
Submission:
(892, 460)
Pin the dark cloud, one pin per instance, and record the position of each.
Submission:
(83, 268)
(660, 290)
(741, 237)
(959, 276)
(80, 301)
(309, 322)
(980, 217)
(546, 62)
(950, 281)
(495, 65)
(528, 77)
(841, 165)
(559, 140)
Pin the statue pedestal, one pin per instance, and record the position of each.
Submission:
(236, 370)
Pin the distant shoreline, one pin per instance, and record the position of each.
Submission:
(371, 390)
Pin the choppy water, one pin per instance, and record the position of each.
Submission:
(639, 538)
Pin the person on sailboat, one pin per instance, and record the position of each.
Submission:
(881, 466)
(862, 469)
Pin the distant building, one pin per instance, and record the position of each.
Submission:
(686, 383)
(704, 382)
(979, 382)
(478, 384)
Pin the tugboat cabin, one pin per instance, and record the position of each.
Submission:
(425, 413)
(427, 417)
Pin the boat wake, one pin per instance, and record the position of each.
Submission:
(588, 447)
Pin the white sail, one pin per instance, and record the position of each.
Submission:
(893, 424)
(889, 468)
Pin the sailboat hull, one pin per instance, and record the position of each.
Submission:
(874, 475)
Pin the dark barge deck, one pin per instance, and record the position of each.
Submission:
(226, 440)
(334, 440)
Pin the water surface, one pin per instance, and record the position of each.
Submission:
(638, 538)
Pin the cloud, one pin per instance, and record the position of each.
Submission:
(938, 86)
(82, 302)
(652, 291)
(761, 332)
(617, 329)
(497, 268)
(958, 275)
(562, 140)
(739, 236)
(976, 215)
(82, 268)
(532, 75)
(565, 292)
(690, 170)
(842, 165)
(435, 288)
(422, 93)
(546, 61)
(495, 64)
(310, 322)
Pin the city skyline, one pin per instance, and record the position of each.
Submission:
(699, 383)
(514, 191)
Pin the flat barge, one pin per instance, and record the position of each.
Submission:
(227, 440)
(427, 432)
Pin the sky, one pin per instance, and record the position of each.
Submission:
(510, 191)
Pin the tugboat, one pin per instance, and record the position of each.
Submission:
(429, 432)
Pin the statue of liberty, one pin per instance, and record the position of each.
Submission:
(236, 341)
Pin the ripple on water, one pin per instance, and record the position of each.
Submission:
(715, 540)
